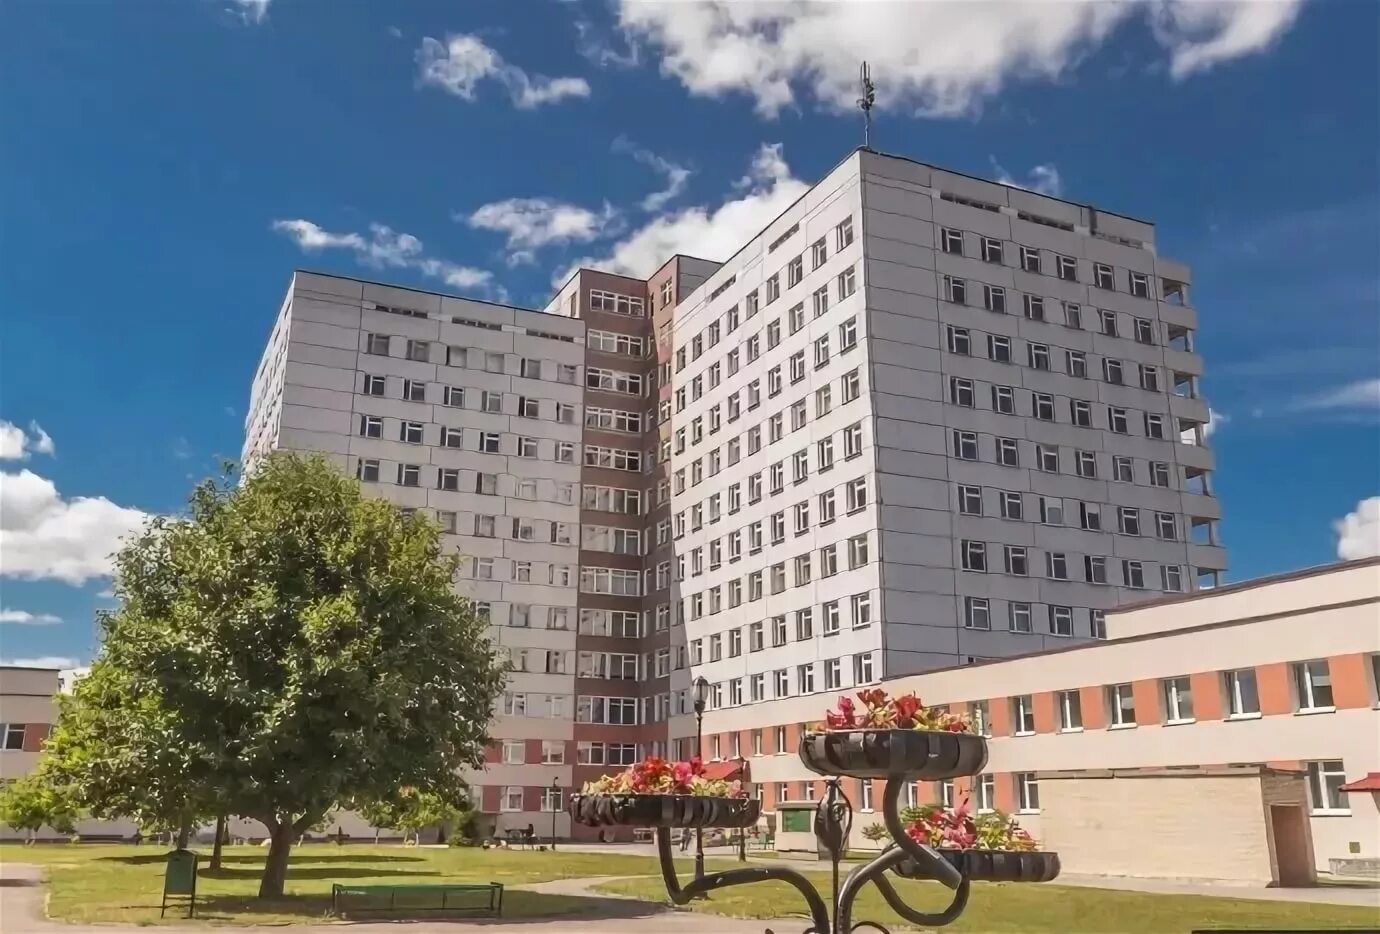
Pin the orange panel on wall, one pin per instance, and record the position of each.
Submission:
(1044, 712)
(1350, 681)
(1272, 681)
(999, 713)
(1094, 707)
(1207, 695)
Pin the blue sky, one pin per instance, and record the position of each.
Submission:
(166, 166)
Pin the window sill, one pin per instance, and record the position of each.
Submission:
(1072, 729)
(1243, 716)
(1180, 722)
(1330, 812)
(1310, 711)
(1024, 733)
(1123, 726)
(1028, 811)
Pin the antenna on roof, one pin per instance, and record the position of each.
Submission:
(865, 103)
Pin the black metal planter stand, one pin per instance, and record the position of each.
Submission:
(901, 759)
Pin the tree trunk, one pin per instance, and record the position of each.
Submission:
(220, 840)
(184, 834)
(275, 870)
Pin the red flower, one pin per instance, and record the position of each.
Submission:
(907, 706)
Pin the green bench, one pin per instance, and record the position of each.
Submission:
(482, 899)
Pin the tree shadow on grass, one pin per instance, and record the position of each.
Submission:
(257, 860)
(326, 872)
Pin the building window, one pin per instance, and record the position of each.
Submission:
(1061, 621)
(1178, 700)
(368, 471)
(1243, 699)
(955, 290)
(977, 613)
(991, 250)
(970, 500)
(1313, 685)
(1121, 705)
(512, 798)
(986, 793)
(1023, 715)
(965, 445)
(862, 668)
(11, 736)
(974, 556)
(1102, 276)
(1097, 623)
(951, 241)
(1070, 712)
(1027, 793)
(1018, 617)
(1325, 779)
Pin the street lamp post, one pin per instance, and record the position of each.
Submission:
(701, 695)
(555, 810)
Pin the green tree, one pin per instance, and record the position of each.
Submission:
(34, 800)
(286, 646)
(413, 810)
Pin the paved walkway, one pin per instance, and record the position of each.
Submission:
(22, 900)
(1361, 895)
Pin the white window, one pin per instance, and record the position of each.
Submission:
(805, 678)
(977, 613)
(848, 283)
(1313, 685)
(514, 705)
(1027, 792)
(955, 290)
(514, 752)
(830, 624)
(857, 551)
(1121, 705)
(368, 471)
(1019, 617)
(974, 556)
(862, 668)
(1030, 259)
(862, 610)
(969, 500)
(1023, 715)
(855, 494)
(370, 426)
(951, 241)
(1102, 276)
(377, 344)
(512, 798)
(961, 391)
(852, 441)
(1008, 452)
(418, 350)
(833, 676)
(1070, 711)
(1243, 698)
(1178, 700)
(843, 233)
(1325, 779)
(850, 386)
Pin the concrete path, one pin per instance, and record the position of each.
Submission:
(1332, 894)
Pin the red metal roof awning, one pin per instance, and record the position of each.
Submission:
(727, 770)
(1370, 783)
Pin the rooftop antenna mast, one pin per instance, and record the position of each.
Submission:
(865, 103)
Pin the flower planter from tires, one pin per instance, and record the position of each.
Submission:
(924, 755)
(626, 810)
(992, 865)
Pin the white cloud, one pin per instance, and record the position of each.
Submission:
(25, 618)
(252, 11)
(106, 594)
(42, 443)
(462, 61)
(713, 233)
(537, 222)
(43, 536)
(41, 661)
(1362, 394)
(12, 442)
(677, 176)
(1202, 33)
(386, 247)
(1043, 178)
(1358, 532)
(595, 46)
(939, 58)
(1215, 420)
(15, 445)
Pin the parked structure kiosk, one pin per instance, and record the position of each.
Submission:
(179, 880)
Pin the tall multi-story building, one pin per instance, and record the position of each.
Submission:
(920, 420)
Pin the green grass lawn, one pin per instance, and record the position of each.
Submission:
(95, 882)
(1002, 908)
